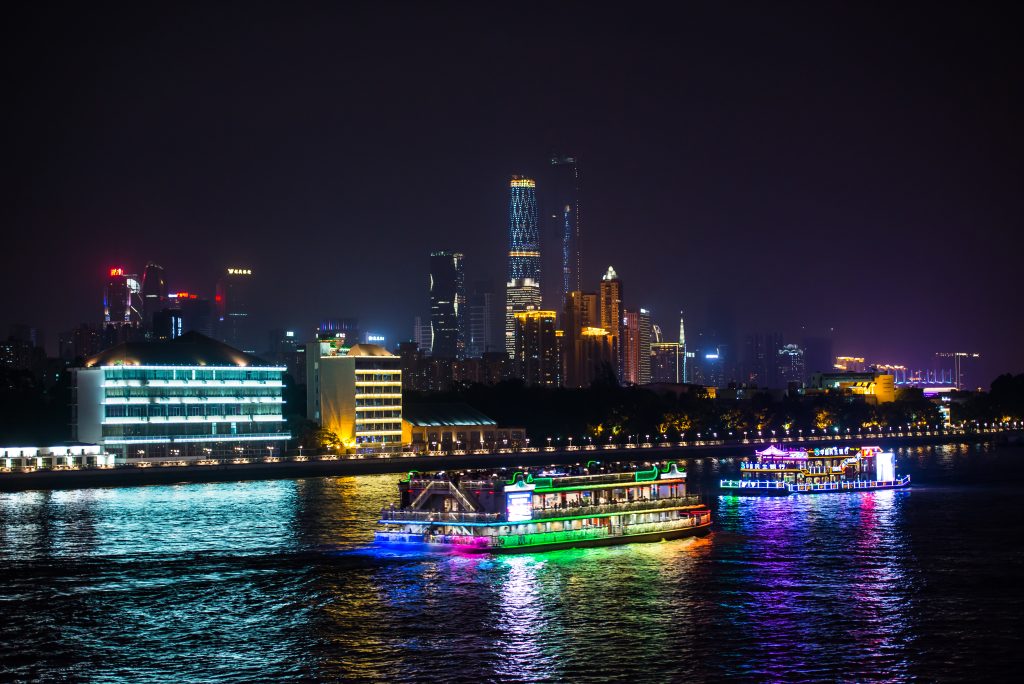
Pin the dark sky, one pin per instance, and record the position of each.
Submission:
(853, 166)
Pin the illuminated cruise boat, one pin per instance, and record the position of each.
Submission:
(814, 471)
(547, 511)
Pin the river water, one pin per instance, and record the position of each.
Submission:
(277, 581)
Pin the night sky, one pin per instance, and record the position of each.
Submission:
(798, 167)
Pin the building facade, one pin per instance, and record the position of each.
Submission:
(356, 393)
(183, 399)
(536, 344)
(665, 362)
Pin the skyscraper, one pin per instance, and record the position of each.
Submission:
(522, 291)
(234, 324)
(563, 213)
(447, 305)
(154, 294)
(636, 347)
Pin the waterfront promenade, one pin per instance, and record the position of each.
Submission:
(295, 466)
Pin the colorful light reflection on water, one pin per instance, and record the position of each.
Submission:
(274, 580)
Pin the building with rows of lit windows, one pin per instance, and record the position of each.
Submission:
(182, 399)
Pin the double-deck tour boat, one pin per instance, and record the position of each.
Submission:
(544, 511)
(813, 471)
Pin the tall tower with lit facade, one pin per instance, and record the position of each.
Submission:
(522, 290)
(447, 305)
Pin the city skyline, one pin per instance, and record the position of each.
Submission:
(774, 218)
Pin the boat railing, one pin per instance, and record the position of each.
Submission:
(440, 517)
(849, 484)
(753, 484)
(625, 506)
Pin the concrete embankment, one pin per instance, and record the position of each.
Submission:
(285, 469)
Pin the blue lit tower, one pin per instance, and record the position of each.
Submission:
(522, 292)
(523, 236)
(564, 215)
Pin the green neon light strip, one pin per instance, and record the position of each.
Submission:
(409, 478)
(515, 475)
(612, 485)
(594, 462)
(646, 475)
(600, 536)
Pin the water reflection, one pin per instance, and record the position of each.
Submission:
(279, 581)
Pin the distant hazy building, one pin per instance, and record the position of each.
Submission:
(196, 312)
(818, 355)
(421, 335)
(484, 327)
(233, 320)
(665, 362)
(636, 347)
(536, 348)
(963, 364)
(790, 360)
(166, 324)
(80, 342)
(356, 393)
(154, 293)
(447, 305)
(190, 397)
(563, 215)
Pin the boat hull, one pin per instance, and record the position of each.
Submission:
(814, 489)
(615, 540)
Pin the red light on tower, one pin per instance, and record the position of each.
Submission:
(116, 272)
(217, 298)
